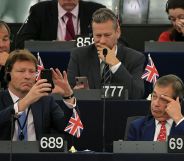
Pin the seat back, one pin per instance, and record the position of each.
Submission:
(129, 120)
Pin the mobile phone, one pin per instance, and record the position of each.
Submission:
(47, 74)
(82, 81)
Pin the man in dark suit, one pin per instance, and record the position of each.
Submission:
(165, 108)
(126, 65)
(47, 20)
(33, 99)
(4, 49)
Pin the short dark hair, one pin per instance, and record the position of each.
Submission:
(103, 15)
(173, 4)
(4, 24)
(175, 82)
(19, 55)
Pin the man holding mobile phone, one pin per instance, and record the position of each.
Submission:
(25, 95)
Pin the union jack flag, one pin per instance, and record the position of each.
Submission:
(150, 74)
(75, 125)
(40, 67)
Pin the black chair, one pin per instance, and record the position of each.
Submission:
(129, 120)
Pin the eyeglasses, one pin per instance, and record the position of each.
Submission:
(173, 19)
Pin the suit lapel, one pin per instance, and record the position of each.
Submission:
(172, 132)
(121, 54)
(83, 18)
(53, 19)
(7, 100)
(148, 130)
(94, 69)
(37, 112)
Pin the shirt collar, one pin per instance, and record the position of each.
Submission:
(169, 121)
(13, 96)
(62, 12)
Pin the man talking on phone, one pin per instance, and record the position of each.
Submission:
(30, 102)
(107, 61)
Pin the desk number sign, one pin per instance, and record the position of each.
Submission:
(176, 144)
(84, 41)
(52, 144)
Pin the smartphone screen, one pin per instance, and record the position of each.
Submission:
(82, 81)
(47, 74)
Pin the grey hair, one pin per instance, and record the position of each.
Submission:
(103, 15)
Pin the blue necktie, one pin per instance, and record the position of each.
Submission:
(22, 127)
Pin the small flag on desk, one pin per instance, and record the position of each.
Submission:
(150, 74)
(40, 66)
(75, 125)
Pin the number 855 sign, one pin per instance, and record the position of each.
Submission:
(84, 41)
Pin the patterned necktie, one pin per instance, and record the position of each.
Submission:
(106, 75)
(70, 33)
(162, 133)
(22, 127)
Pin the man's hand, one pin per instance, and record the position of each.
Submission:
(61, 85)
(40, 89)
(173, 108)
(3, 57)
(111, 58)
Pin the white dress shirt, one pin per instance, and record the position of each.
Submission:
(31, 135)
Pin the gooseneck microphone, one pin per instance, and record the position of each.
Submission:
(104, 52)
(19, 31)
(12, 119)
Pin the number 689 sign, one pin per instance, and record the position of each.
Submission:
(52, 143)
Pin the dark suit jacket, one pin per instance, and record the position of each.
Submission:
(3, 83)
(84, 61)
(143, 129)
(46, 112)
(43, 21)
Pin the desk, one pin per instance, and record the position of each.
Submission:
(92, 157)
(116, 116)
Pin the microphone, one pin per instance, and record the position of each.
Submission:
(105, 51)
(19, 31)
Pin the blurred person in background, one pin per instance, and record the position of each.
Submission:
(48, 20)
(175, 11)
(4, 50)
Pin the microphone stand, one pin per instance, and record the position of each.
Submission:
(104, 104)
(19, 30)
(11, 131)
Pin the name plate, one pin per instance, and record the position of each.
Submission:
(54, 143)
(139, 147)
(176, 144)
(84, 41)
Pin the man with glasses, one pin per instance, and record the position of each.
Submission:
(166, 117)
(175, 11)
